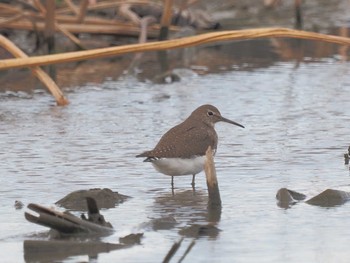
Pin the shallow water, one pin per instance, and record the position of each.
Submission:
(296, 116)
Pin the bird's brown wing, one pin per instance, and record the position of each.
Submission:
(183, 143)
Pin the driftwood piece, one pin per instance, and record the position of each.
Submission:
(68, 224)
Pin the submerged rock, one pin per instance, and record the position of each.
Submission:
(328, 198)
(105, 198)
(287, 197)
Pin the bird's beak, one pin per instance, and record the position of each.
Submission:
(229, 121)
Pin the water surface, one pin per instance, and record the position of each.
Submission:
(295, 111)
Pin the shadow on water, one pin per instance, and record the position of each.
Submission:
(53, 251)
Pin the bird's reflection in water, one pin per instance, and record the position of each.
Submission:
(190, 212)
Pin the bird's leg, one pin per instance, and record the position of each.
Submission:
(193, 179)
(172, 185)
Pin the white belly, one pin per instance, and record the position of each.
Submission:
(179, 166)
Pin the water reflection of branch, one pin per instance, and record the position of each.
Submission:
(175, 247)
(190, 246)
(172, 251)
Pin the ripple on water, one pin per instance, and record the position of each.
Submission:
(295, 136)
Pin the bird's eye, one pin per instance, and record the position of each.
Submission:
(210, 113)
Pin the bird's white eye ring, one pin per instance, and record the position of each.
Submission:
(210, 113)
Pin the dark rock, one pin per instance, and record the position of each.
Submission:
(286, 198)
(105, 198)
(330, 198)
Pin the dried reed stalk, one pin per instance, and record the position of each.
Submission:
(82, 10)
(106, 5)
(72, 7)
(166, 19)
(171, 44)
(51, 24)
(10, 20)
(38, 72)
(117, 28)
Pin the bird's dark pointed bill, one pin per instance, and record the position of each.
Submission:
(232, 122)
